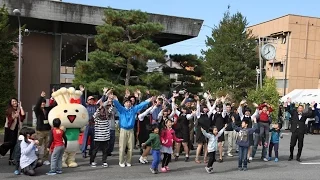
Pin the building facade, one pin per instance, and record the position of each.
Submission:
(297, 41)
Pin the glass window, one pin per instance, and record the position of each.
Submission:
(62, 70)
(69, 70)
(281, 67)
(69, 80)
(62, 80)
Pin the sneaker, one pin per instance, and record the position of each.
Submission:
(240, 169)
(105, 165)
(122, 165)
(176, 158)
(51, 173)
(209, 171)
(237, 151)
(16, 172)
(245, 169)
(146, 161)
(220, 160)
(157, 171)
(230, 155)
(265, 159)
(93, 164)
(250, 158)
(47, 163)
(152, 171)
(59, 172)
(141, 160)
(269, 158)
(128, 165)
(276, 160)
(186, 159)
(167, 168)
(163, 170)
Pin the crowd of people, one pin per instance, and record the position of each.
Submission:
(158, 125)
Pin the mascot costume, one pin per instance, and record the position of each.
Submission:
(73, 117)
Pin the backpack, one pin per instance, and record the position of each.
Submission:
(17, 152)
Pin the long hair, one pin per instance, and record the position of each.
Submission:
(10, 109)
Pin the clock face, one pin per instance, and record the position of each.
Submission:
(268, 52)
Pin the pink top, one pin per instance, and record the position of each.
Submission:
(167, 137)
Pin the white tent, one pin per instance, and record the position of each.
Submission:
(303, 96)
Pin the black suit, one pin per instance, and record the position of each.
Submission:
(298, 128)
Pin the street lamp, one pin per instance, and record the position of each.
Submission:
(18, 14)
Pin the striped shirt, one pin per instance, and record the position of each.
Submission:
(102, 125)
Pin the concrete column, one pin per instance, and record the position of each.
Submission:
(56, 54)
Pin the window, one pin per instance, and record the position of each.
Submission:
(281, 67)
(62, 80)
(62, 69)
(280, 83)
(69, 80)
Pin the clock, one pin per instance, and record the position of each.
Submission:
(268, 52)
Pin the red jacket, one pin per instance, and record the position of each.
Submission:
(168, 136)
(264, 117)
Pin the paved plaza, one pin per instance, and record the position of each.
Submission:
(181, 170)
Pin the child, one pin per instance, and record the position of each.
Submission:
(243, 141)
(29, 160)
(101, 133)
(212, 146)
(17, 151)
(154, 139)
(58, 142)
(274, 141)
(167, 137)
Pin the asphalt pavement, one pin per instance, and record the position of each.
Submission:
(180, 170)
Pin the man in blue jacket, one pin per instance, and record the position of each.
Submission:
(127, 114)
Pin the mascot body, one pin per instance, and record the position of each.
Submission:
(73, 116)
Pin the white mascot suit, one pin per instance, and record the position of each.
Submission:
(73, 117)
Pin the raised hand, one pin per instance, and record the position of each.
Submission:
(255, 105)
(196, 98)
(105, 90)
(186, 95)
(43, 94)
(242, 102)
(223, 99)
(82, 88)
(127, 93)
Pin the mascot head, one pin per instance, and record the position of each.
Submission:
(69, 109)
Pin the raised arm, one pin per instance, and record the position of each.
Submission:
(142, 105)
(198, 113)
(255, 114)
(145, 113)
(176, 111)
(206, 134)
(311, 111)
(240, 112)
(118, 106)
(221, 131)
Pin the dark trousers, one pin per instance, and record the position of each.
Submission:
(276, 149)
(310, 127)
(212, 158)
(10, 140)
(100, 145)
(112, 141)
(243, 152)
(296, 136)
(166, 159)
(89, 132)
(29, 170)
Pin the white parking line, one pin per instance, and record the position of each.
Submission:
(311, 163)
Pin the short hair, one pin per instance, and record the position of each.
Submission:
(160, 99)
(246, 121)
(153, 127)
(56, 122)
(228, 104)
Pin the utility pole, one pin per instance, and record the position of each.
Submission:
(260, 61)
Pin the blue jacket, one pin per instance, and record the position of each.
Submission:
(127, 117)
(275, 136)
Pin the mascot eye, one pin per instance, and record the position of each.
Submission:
(77, 110)
(65, 111)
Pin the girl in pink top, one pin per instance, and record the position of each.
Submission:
(167, 137)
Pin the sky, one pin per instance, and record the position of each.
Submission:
(211, 11)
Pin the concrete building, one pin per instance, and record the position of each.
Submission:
(297, 40)
(60, 33)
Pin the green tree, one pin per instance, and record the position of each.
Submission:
(7, 63)
(124, 44)
(231, 59)
(190, 73)
(268, 94)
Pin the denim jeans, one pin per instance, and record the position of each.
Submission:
(256, 144)
(112, 141)
(156, 159)
(89, 132)
(56, 158)
(243, 152)
(264, 131)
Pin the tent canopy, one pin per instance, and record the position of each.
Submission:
(303, 96)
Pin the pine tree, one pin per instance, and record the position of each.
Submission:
(124, 44)
(231, 59)
(190, 74)
(7, 62)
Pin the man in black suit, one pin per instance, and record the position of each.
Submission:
(298, 119)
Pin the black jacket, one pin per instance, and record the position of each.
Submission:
(295, 122)
(41, 116)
